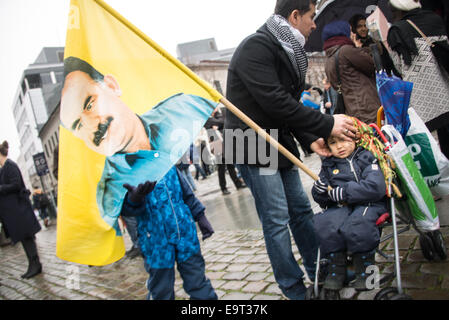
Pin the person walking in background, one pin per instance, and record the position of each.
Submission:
(195, 155)
(41, 204)
(265, 79)
(356, 72)
(330, 97)
(213, 124)
(416, 63)
(183, 166)
(16, 212)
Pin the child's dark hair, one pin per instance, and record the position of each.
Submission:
(4, 148)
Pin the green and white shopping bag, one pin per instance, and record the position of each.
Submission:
(419, 196)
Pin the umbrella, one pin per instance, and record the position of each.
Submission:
(394, 94)
(333, 10)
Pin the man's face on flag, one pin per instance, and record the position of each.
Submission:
(94, 112)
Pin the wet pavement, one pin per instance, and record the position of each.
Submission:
(236, 259)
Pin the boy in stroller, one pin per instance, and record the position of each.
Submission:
(347, 226)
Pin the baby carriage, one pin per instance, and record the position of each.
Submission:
(381, 144)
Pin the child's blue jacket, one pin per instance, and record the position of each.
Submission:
(166, 222)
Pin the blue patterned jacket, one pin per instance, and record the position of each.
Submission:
(166, 222)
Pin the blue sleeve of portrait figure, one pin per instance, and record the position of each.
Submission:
(179, 120)
(195, 205)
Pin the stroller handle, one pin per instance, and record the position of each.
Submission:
(382, 136)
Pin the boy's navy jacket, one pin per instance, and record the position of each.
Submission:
(166, 221)
(359, 175)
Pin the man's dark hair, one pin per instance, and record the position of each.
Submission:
(286, 7)
(75, 64)
(4, 148)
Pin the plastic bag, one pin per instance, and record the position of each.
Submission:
(419, 196)
(429, 159)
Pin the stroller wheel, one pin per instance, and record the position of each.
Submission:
(310, 293)
(427, 247)
(386, 293)
(438, 244)
(327, 294)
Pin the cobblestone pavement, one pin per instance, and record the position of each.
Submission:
(236, 260)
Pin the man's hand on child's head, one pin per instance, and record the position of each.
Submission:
(138, 194)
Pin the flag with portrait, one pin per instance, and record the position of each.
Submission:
(124, 105)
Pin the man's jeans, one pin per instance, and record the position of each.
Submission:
(281, 202)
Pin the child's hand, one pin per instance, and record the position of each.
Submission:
(205, 227)
(337, 194)
(320, 186)
(138, 194)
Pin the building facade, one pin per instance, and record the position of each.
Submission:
(37, 97)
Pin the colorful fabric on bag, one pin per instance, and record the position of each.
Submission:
(370, 142)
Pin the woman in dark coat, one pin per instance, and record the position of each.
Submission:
(16, 212)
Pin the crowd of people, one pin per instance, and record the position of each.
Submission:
(266, 80)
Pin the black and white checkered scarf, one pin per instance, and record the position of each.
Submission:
(292, 41)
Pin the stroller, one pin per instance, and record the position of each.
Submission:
(402, 212)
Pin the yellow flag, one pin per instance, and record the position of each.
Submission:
(129, 111)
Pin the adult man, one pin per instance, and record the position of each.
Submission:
(330, 97)
(138, 147)
(266, 77)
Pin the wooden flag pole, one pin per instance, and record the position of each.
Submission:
(267, 137)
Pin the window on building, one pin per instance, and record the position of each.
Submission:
(24, 87)
(17, 108)
(34, 81)
(60, 56)
(46, 78)
(46, 150)
(26, 136)
(23, 119)
(59, 76)
(56, 136)
(54, 141)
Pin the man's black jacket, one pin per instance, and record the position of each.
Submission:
(262, 83)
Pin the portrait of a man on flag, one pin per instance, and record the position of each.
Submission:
(138, 147)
